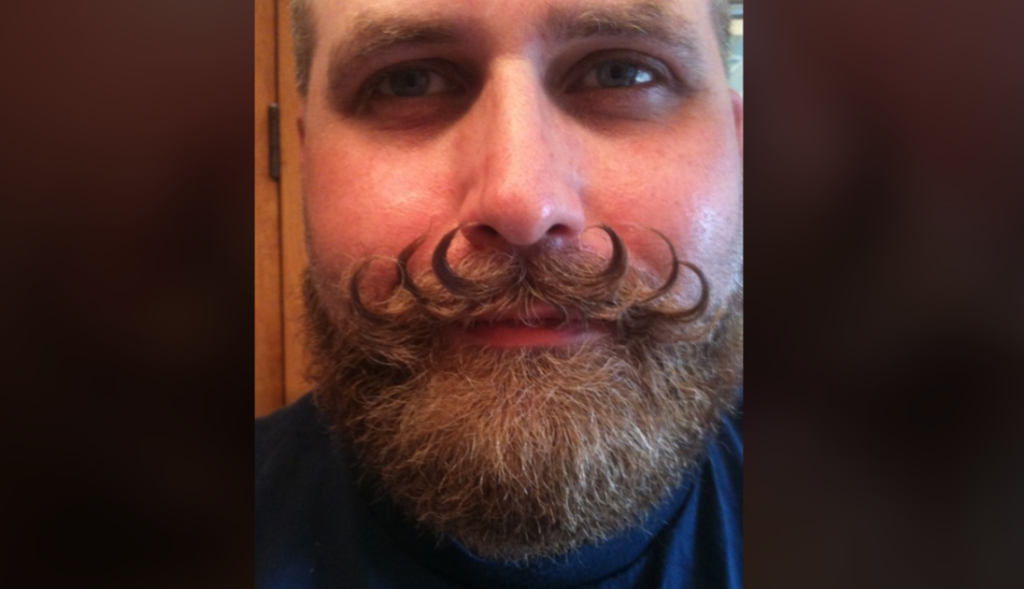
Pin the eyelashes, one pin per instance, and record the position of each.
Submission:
(415, 89)
(417, 81)
(617, 74)
(617, 70)
(412, 83)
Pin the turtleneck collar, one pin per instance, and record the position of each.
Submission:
(580, 567)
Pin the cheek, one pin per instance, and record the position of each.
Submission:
(363, 202)
(691, 192)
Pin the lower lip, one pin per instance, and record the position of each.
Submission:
(518, 335)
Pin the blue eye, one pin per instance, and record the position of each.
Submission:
(412, 83)
(616, 74)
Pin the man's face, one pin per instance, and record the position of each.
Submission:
(532, 120)
(550, 403)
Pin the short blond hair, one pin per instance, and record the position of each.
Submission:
(304, 36)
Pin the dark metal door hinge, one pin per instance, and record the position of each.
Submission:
(274, 117)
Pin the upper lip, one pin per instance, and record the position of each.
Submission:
(535, 314)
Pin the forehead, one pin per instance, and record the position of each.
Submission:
(348, 21)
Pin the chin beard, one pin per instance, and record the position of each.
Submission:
(524, 453)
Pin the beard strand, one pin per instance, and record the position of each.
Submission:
(524, 453)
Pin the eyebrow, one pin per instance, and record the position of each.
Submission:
(650, 20)
(373, 34)
(647, 19)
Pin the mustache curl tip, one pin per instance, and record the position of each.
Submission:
(619, 263)
(355, 299)
(402, 269)
(442, 269)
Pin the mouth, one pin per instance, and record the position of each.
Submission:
(541, 326)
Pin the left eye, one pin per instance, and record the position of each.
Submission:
(616, 74)
(412, 83)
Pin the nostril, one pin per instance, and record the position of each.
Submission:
(483, 236)
(561, 230)
(561, 235)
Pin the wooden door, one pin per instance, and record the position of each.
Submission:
(280, 256)
(269, 343)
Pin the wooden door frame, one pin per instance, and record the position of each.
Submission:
(280, 244)
(269, 379)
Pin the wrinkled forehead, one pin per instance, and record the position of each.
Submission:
(356, 24)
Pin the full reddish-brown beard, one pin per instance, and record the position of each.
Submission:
(524, 453)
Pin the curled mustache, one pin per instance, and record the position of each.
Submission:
(497, 283)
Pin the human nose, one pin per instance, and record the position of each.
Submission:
(523, 187)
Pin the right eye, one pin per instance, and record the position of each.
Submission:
(616, 74)
(411, 83)
(414, 94)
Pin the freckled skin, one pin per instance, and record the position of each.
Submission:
(519, 154)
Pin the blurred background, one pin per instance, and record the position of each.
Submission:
(884, 289)
(125, 205)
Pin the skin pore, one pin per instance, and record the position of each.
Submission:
(460, 158)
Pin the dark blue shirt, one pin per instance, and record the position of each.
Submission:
(314, 528)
